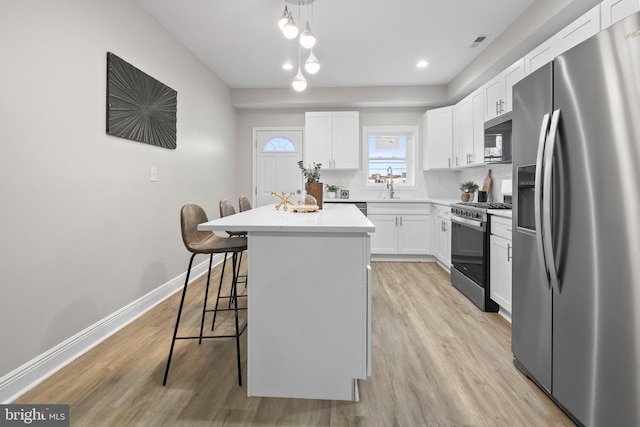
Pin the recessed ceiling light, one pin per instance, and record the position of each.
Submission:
(287, 66)
(422, 64)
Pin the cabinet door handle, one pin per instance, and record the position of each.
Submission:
(501, 106)
(509, 252)
(449, 161)
(497, 107)
(457, 161)
(400, 221)
(396, 221)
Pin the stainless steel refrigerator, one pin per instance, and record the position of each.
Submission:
(576, 250)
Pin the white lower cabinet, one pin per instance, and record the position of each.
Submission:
(442, 235)
(401, 228)
(500, 263)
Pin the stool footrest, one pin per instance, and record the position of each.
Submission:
(196, 337)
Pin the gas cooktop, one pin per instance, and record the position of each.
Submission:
(485, 205)
(477, 211)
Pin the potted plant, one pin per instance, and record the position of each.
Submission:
(468, 188)
(312, 176)
(332, 190)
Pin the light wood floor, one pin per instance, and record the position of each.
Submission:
(437, 361)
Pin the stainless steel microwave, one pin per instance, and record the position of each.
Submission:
(497, 140)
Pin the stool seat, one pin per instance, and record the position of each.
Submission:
(217, 244)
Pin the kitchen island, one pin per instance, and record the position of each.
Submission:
(309, 291)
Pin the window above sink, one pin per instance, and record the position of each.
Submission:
(389, 155)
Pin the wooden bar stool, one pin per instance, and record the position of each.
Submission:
(205, 242)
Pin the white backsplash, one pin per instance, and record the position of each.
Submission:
(437, 184)
(498, 172)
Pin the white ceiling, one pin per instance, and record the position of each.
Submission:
(360, 42)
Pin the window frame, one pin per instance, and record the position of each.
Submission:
(411, 134)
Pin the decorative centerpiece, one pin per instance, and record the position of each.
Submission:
(284, 200)
(468, 188)
(312, 185)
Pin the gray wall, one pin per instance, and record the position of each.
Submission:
(84, 231)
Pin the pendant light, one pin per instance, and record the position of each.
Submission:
(311, 65)
(290, 30)
(307, 39)
(299, 83)
(284, 18)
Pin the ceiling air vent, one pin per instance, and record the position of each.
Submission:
(478, 40)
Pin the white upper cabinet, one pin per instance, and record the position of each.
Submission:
(576, 32)
(540, 55)
(472, 129)
(498, 91)
(457, 137)
(477, 158)
(438, 138)
(579, 30)
(612, 11)
(333, 139)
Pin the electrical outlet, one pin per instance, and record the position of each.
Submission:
(154, 174)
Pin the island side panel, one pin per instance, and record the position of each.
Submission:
(308, 314)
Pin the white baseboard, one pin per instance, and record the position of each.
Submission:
(402, 258)
(27, 376)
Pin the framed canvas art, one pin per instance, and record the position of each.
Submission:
(139, 107)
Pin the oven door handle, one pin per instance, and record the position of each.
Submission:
(479, 225)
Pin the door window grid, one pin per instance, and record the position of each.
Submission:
(279, 144)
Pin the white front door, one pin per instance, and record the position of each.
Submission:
(277, 156)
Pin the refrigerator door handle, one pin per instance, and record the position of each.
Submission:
(538, 193)
(546, 202)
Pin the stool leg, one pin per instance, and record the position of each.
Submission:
(237, 274)
(234, 291)
(175, 331)
(215, 312)
(206, 294)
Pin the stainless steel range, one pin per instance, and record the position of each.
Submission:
(470, 251)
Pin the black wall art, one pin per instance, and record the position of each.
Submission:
(139, 107)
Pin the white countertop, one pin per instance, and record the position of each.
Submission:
(357, 200)
(341, 218)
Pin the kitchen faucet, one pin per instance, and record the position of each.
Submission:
(390, 182)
